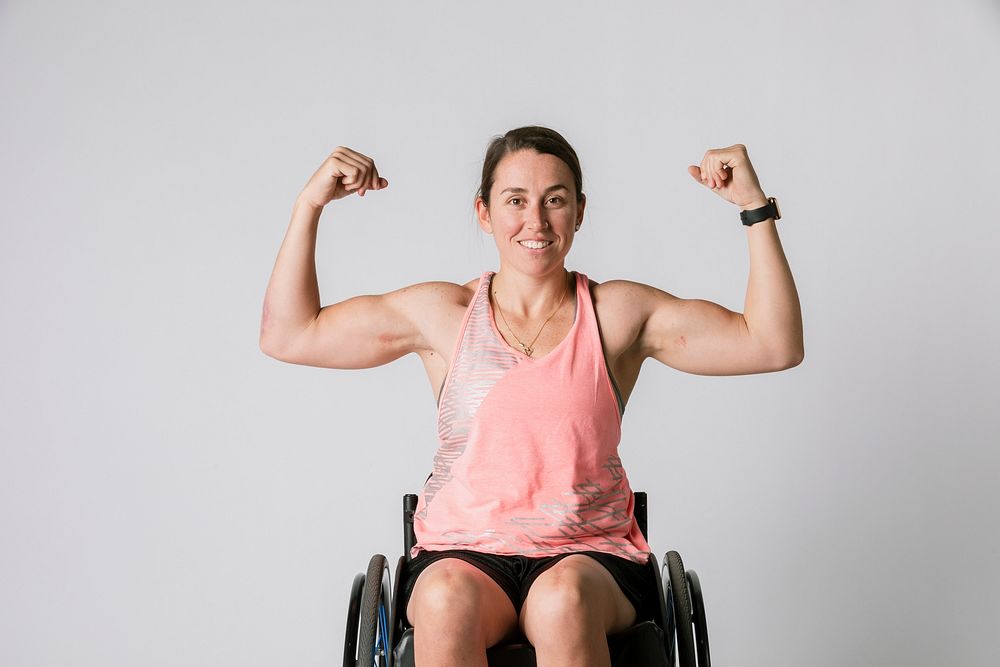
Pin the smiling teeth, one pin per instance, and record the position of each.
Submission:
(535, 244)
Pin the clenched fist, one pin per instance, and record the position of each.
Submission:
(344, 172)
(728, 173)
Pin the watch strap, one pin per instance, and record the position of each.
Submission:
(763, 213)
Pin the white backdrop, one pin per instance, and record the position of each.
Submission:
(169, 495)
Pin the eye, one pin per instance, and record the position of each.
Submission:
(513, 199)
(556, 198)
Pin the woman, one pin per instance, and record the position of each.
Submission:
(526, 523)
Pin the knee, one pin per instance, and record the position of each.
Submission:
(561, 599)
(444, 596)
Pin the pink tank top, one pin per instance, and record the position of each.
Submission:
(527, 462)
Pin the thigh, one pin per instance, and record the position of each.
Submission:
(596, 586)
(636, 580)
(441, 582)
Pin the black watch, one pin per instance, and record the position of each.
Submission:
(762, 213)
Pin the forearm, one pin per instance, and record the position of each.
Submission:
(772, 310)
(291, 301)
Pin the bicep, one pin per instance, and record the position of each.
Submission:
(361, 332)
(701, 337)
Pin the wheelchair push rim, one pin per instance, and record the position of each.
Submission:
(698, 617)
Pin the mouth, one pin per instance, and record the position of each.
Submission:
(535, 245)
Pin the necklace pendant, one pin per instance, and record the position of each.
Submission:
(527, 350)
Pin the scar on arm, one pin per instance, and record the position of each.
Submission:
(265, 318)
(680, 341)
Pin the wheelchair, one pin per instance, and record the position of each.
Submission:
(379, 635)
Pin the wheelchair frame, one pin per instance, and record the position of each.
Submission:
(379, 635)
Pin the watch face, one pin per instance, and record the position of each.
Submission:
(777, 209)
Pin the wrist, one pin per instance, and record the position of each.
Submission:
(303, 201)
(756, 202)
(756, 211)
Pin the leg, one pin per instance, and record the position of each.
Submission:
(569, 611)
(457, 611)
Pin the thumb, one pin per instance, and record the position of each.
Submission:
(695, 172)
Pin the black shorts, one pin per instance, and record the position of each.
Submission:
(515, 575)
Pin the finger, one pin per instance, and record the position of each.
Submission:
(720, 172)
(370, 181)
(367, 180)
(350, 176)
(363, 157)
(364, 181)
(343, 156)
(375, 177)
(353, 171)
(358, 157)
(344, 164)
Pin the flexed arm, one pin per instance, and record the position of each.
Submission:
(293, 326)
(701, 337)
(771, 310)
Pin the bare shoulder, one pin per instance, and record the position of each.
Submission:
(626, 292)
(432, 306)
(623, 307)
(433, 293)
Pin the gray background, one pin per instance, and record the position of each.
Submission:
(171, 496)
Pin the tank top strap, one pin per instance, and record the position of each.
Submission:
(590, 334)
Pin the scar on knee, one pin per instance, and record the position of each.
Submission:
(680, 341)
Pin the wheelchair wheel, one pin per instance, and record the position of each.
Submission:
(680, 597)
(368, 622)
(700, 625)
(353, 614)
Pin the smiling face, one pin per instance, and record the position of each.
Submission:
(532, 198)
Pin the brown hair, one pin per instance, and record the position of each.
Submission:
(532, 137)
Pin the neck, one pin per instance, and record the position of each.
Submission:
(532, 297)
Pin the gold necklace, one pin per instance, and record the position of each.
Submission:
(528, 348)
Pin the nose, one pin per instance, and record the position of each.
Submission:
(536, 217)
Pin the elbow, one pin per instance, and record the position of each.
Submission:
(269, 337)
(783, 358)
(793, 359)
(268, 348)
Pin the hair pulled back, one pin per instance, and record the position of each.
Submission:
(533, 137)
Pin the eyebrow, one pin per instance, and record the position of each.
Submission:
(557, 186)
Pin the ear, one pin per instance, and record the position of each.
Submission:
(483, 213)
(579, 209)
